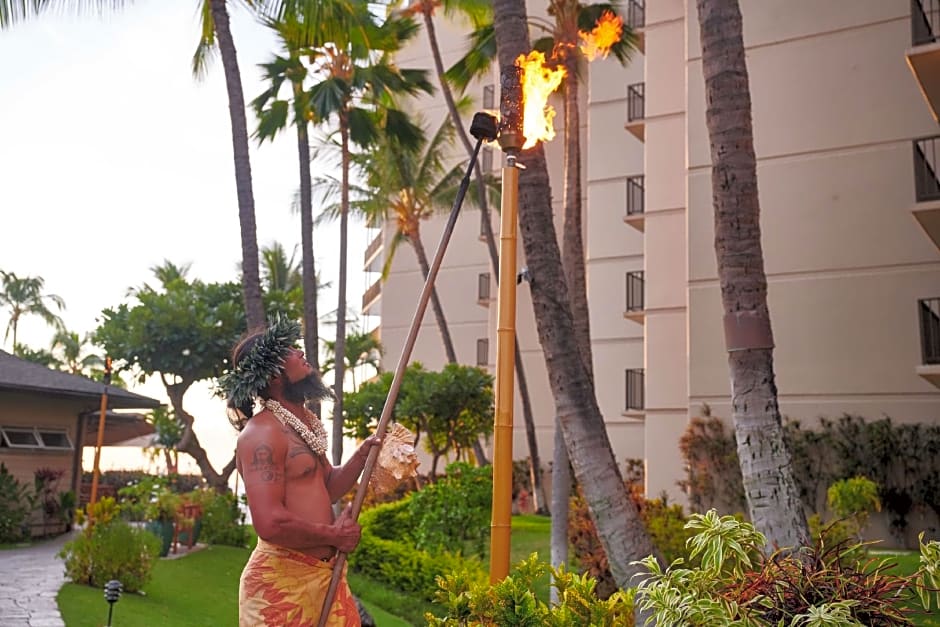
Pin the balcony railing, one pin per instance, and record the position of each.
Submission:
(636, 14)
(373, 248)
(483, 351)
(635, 289)
(635, 195)
(636, 109)
(371, 293)
(634, 386)
(929, 310)
(925, 21)
(483, 287)
(926, 155)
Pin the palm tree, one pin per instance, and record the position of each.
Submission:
(273, 116)
(772, 495)
(357, 86)
(278, 272)
(617, 519)
(69, 348)
(216, 31)
(480, 13)
(14, 11)
(24, 297)
(362, 349)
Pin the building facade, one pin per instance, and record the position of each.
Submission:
(845, 95)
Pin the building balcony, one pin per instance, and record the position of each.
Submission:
(636, 110)
(634, 384)
(926, 209)
(372, 251)
(635, 214)
(923, 57)
(636, 20)
(636, 306)
(371, 298)
(928, 310)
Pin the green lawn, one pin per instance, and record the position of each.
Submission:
(907, 562)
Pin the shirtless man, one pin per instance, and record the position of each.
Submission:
(291, 486)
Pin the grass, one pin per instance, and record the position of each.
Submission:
(906, 563)
(197, 590)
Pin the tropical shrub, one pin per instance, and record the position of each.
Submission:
(396, 561)
(468, 600)
(223, 522)
(111, 549)
(734, 584)
(902, 459)
(453, 514)
(16, 504)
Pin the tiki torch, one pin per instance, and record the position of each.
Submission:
(101, 422)
(511, 140)
(482, 128)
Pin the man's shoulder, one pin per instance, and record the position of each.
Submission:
(263, 426)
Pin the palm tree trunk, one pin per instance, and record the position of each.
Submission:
(339, 353)
(561, 495)
(535, 463)
(617, 518)
(772, 495)
(422, 255)
(251, 278)
(308, 268)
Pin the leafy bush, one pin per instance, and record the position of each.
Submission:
(16, 504)
(902, 459)
(111, 550)
(222, 520)
(454, 512)
(471, 601)
(736, 584)
(387, 553)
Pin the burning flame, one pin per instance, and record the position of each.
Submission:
(605, 34)
(538, 82)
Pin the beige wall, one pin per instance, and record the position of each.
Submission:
(834, 108)
(21, 410)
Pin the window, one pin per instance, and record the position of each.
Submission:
(635, 290)
(489, 97)
(634, 385)
(486, 162)
(31, 437)
(483, 349)
(55, 439)
(483, 286)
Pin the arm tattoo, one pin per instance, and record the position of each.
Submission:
(262, 461)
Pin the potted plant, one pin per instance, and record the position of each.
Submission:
(161, 516)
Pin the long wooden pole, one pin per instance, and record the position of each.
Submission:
(389, 406)
(101, 422)
(501, 521)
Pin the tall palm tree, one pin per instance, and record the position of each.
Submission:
(362, 349)
(617, 519)
(480, 13)
(24, 297)
(14, 11)
(278, 271)
(772, 495)
(217, 32)
(274, 114)
(357, 87)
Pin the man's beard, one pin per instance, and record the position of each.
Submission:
(310, 388)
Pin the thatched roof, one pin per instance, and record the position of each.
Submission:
(20, 375)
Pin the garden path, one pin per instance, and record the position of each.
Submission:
(30, 578)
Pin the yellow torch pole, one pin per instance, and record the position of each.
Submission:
(505, 368)
(101, 419)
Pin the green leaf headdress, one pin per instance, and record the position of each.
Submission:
(264, 361)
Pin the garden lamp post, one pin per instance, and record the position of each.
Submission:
(112, 593)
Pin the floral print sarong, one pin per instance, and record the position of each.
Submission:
(285, 588)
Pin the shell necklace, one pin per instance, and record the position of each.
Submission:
(315, 437)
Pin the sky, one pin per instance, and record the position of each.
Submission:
(113, 158)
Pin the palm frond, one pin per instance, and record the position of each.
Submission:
(481, 52)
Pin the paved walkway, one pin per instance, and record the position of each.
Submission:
(30, 578)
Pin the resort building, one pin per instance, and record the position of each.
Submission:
(845, 96)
